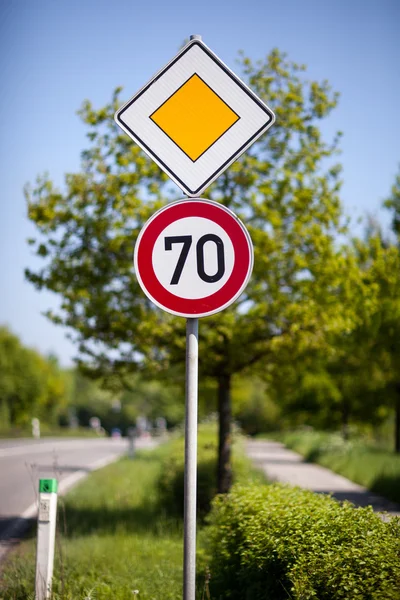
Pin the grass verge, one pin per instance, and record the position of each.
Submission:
(115, 539)
(376, 469)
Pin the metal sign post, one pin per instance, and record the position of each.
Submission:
(190, 485)
(194, 257)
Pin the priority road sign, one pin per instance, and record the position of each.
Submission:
(193, 258)
(194, 118)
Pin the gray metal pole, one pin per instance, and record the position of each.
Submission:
(190, 490)
(190, 485)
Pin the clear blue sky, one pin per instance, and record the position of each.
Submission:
(55, 53)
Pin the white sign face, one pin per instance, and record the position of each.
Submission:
(193, 258)
(194, 118)
(204, 244)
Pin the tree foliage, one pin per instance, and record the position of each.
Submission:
(121, 408)
(30, 385)
(285, 189)
(353, 381)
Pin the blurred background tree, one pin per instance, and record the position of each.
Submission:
(30, 385)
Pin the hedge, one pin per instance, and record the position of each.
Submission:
(274, 542)
(171, 482)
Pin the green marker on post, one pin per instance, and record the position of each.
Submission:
(47, 516)
(48, 486)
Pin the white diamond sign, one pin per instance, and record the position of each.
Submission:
(194, 118)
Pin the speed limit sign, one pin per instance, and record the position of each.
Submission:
(193, 258)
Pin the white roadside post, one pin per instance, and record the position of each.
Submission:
(193, 257)
(46, 533)
(36, 428)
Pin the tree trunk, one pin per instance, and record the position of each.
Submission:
(345, 420)
(397, 421)
(224, 476)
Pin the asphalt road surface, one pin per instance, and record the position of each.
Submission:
(23, 462)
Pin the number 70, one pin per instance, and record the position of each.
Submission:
(186, 240)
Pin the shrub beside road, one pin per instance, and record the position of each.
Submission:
(170, 484)
(275, 542)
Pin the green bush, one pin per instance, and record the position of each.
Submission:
(171, 481)
(274, 542)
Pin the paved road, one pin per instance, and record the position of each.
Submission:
(24, 462)
(286, 466)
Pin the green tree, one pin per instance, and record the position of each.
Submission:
(285, 189)
(253, 407)
(118, 407)
(20, 384)
(351, 380)
(385, 330)
(30, 385)
(368, 372)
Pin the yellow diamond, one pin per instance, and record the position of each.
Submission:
(194, 117)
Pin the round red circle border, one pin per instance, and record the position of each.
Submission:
(234, 286)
